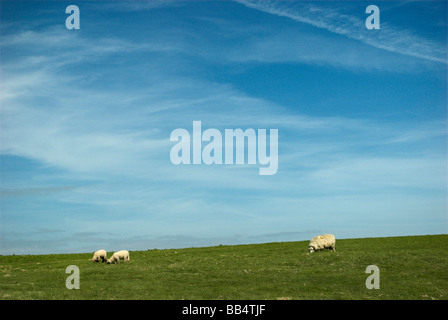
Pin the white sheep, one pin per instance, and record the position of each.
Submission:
(100, 254)
(326, 241)
(123, 254)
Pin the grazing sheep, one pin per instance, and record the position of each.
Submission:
(326, 241)
(123, 254)
(100, 254)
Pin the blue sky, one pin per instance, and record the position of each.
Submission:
(86, 117)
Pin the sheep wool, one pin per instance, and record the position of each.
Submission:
(123, 254)
(100, 254)
(321, 242)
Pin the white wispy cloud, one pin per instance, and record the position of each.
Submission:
(335, 21)
(51, 116)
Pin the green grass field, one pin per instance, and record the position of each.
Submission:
(413, 267)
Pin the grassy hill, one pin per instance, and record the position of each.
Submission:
(413, 267)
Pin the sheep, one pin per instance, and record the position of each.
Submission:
(115, 258)
(100, 254)
(326, 241)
